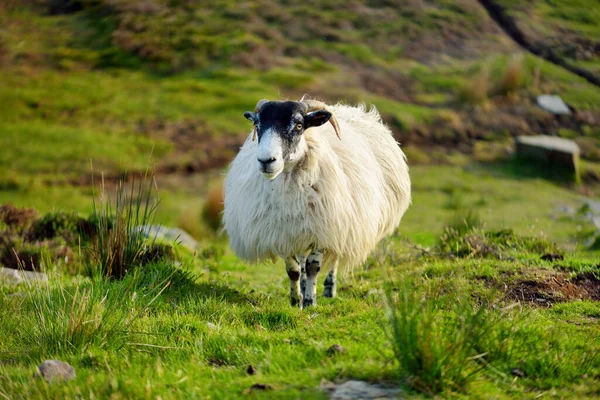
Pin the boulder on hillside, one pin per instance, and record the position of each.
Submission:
(550, 152)
(553, 104)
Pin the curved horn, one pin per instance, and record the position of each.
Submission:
(316, 105)
(259, 105)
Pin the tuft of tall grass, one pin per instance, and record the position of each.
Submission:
(436, 339)
(68, 319)
(511, 79)
(119, 244)
(461, 223)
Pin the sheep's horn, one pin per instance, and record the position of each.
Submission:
(259, 105)
(316, 105)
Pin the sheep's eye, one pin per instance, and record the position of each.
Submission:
(298, 127)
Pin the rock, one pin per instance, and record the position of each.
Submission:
(210, 325)
(15, 276)
(553, 104)
(251, 370)
(550, 151)
(169, 234)
(335, 349)
(54, 370)
(261, 386)
(354, 390)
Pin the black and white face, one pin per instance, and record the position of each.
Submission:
(280, 126)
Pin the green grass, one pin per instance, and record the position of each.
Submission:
(119, 87)
(181, 333)
(192, 330)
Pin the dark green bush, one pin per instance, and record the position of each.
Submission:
(69, 226)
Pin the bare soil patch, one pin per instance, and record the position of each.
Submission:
(545, 287)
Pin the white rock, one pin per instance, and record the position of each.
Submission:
(355, 390)
(15, 277)
(169, 234)
(54, 370)
(554, 104)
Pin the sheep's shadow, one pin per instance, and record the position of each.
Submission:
(184, 285)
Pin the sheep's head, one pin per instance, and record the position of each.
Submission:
(279, 126)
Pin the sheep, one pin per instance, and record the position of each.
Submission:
(312, 196)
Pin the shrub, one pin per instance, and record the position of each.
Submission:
(17, 219)
(69, 226)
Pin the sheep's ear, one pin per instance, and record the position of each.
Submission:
(316, 118)
(250, 116)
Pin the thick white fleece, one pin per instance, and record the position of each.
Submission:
(343, 198)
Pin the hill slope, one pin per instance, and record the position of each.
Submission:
(117, 80)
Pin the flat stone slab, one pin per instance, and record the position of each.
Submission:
(355, 390)
(15, 276)
(553, 104)
(550, 151)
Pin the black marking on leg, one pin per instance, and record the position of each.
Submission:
(295, 302)
(309, 303)
(330, 285)
(293, 275)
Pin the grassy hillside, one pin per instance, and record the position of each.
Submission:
(490, 287)
(116, 81)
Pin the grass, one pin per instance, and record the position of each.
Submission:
(192, 330)
(435, 341)
(465, 308)
(119, 245)
(180, 333)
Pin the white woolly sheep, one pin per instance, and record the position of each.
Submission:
(311, 198)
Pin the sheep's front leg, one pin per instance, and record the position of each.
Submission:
(330, 283)
(292, 266)
(313, 266)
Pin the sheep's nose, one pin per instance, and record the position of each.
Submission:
(265, 163)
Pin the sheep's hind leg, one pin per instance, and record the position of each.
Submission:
(292, 266)
(330, 283)
(313, 266)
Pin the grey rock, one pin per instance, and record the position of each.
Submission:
(550, 151)
(336, 349)
(594, 206)
(169, 234)
(553, 104)
(54, 370)
(15, 277)
(354, 390)
(210, 325)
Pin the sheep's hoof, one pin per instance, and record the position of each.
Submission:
(309, 303)
(295, 302)
(329, 291)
